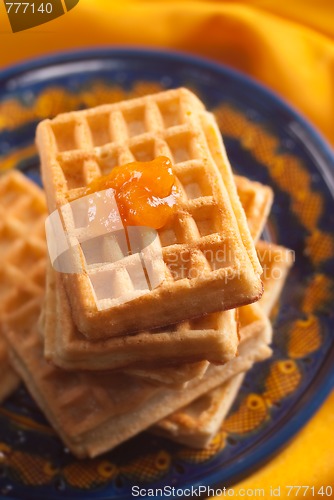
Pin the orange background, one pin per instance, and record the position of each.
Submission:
(287, 45)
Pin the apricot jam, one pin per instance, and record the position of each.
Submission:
(145, 192)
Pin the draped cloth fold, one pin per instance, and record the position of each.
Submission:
(288, 46)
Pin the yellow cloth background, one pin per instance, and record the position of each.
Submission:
(288, 45)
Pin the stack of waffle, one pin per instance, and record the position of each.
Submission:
(103, 368)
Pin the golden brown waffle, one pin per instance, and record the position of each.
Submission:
(93, 412)
(276, 261)
(196, 424)
(29, 209)
(213, 338)
(68, 349)
(175, 375)
(67, 398)
(256, 200)
(77, 147)
(22, 242)
(22, 255)
(22, 272)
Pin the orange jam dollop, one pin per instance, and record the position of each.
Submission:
(145, 192)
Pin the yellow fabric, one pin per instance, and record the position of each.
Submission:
(287, 45)
(307, 460)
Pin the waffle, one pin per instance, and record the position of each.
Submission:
(256, 200)
(196, 424)
(171, 374)
(176, 375)
(93, 412)
(77, 147)
(9, 380)
(68, 349)
(213, 338)
(69, 398)
(22, 222)
(276, 261)
(22, 253)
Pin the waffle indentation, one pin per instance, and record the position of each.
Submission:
(74, 173)
(135, 121)
(183, 147)
(64, 134)
(170, 112)
(144, 152)
(207, 219)
(99, 126)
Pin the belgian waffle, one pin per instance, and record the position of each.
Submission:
(22, 248)
(177, 375)
(213, 338)
(68, 349)
(93, 412)
(77, 147)
(196, 424)
(256, 200)
(23, 210)
(22, 242)
(22, 253)
(276, 261)
(69, 398)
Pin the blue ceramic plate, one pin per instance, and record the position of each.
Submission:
(266, 141)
